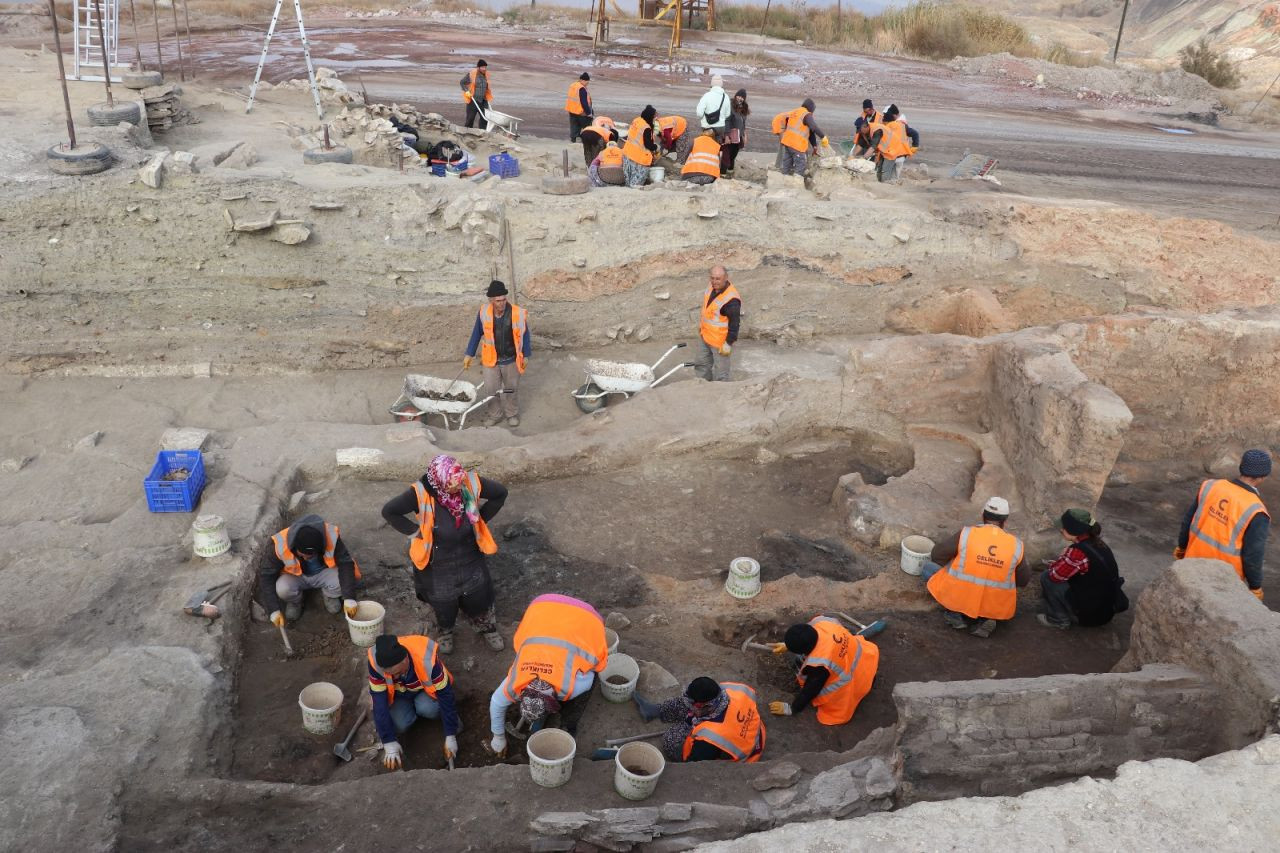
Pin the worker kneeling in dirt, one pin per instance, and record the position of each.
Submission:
(836, 669)
(985, 565)
(703, 165)
(893, 141)
(560, 646)
(410, 666)
(308, 554)
(712, 722)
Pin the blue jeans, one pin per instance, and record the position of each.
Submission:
(405, 713)
(930, 569)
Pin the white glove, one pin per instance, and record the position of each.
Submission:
(499, 745)
(392, 756)
(450, 746)
(349, 607)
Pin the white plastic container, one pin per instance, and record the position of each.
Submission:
(915, 553)
(637, 767)
(744, 578)
(366, 625)
(657, 174)
(209, 536)
(321, 705)
(611, 640)
(626, 671)
(551, 754)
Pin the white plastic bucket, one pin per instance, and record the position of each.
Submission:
(209, 536)
(915, 553)
(744, 578)
(625, 672)
(657, 174)
(321, 705)
(366, 625)
(637, 767)
(551, 754)
(611, 640)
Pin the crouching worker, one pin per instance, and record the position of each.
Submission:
(308, 554)
(984, 566)
(712, 722)
(411, 667)
(560, 646)
(837, 668)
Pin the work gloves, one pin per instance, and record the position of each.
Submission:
(780, 709)
(826, 143)
(1257, 592)
(277, 618)
(392, 755)
(1179, 553)
(498, 746)
(349, 607)
(466, 361)
(778, 648)
(450, 747)
(725, 349)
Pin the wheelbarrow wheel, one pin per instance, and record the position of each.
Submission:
(589, 406)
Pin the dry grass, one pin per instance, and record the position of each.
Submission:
(1062, 55)
(1203, 61)
(543, 14)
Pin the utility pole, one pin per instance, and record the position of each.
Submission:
(1124, 13)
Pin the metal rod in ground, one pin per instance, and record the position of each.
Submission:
(1124, 13)
(62, 73)
(137, 43)
(102, 42)
(186, 19)
(177, 39)
(566, 162)
(155, 18)
(619, 741)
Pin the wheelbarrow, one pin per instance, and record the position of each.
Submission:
(620, 377)
(424, 396)
(507, 125)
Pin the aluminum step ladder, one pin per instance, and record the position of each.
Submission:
(87, 60)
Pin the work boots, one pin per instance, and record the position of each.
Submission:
(494, 639)
(984, 628)
(333, 605)
(292, 611)
(445, 641)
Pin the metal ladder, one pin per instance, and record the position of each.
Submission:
(306, 52)
(87, 59)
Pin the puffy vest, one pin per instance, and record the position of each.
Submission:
(519, 325)
(1223, 513)
(979, 582)
(471, 93)
(740, 733)
(634, 146)
(611, 156)
(714, 326)
(794, 133)
(704, 158)
(423, 653)
(558, 638)
(420, 546)
(894, 142)
(293, 565)
(852, 662)
(573, 102)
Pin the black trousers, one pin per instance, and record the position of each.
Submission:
(591, 147)
(473, 115)
(576, 124)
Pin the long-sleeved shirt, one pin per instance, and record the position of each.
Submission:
(585, 100)
(946, 550)
(503, 338)
(1254, 548)
(400, 512)
(679, 712)
(815, 678)
(407, 688)
(714, 99)
(731, 311)
(583, 682)
(482, 86)
(815, 133)
(1067, 565)
(272, 566)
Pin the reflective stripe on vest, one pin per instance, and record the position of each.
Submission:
(573, 102)
(634, 148)
(706, 730)
(570, 675)
(292, 564)
(794, 134)
(957, 567)
(704, 158)
(842, 676)
(714, 326)
(893, 141)
(1212, 519)
(423, 656)
(488, 349)
(420, 546)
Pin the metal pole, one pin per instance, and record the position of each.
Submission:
(155, 16)
(1264, 96)
(764, 23)
(1123, 14)
(102, 41)
(186, 17)
(62, 73)
(177, 39)
(137, 43)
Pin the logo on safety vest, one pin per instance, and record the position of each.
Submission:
(1219, 512)
(537, 668)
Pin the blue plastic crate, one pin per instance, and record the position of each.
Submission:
(504, 165)
(175, 495)
(437, 168)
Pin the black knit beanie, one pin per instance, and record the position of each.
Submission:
(801, 639)
(308, 539)
(702, 689)
(387, 651)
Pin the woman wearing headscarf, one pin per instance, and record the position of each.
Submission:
(1083, 585)
(640, 148)
(735, 132)
(444, 515)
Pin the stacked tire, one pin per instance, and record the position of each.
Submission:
(86, 159)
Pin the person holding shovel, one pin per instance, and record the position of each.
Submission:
(449, 538)
(710, 722)
(501, 333)
(308, 554)
(410, 666)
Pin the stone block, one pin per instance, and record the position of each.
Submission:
(676, 811)
(778, 774)
(184, 438)
(617, 621)
(359, 457)
(152, 172)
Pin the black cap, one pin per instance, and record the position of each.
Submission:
(892, 111)
(496, 288)
(308, 539)
(867, 105)
(387, 651)
(809, 104)
(584, 76)
(702, 689)
(801, 639)
(481, 64)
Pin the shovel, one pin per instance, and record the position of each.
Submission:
(202, 603)
(343, 750)
(446, 391)
(288, 647)
(867, 631)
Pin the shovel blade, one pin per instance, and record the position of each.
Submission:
(342, 752)
(874, 628)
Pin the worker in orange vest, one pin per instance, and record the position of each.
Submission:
(984, 566)
(1228, 521)
(501, 333)
(577, 104)
(606, 169)
(718, 325)
(640, 148)
(596, 136)
(308, 554)
(893, 142)
(836, 669)
(863, 126)
(703, 165)
(672, 136)
(408, 681)
(800, 135)
(560, 645)
(711, 722)
(476, 90)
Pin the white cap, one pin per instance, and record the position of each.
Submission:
(997, 506)
(717, 80)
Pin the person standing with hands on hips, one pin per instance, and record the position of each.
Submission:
(501, 333)
(718, 326)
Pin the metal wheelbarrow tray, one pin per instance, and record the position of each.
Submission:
(620, 377)
(414, 402)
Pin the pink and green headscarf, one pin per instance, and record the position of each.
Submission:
(444, 471)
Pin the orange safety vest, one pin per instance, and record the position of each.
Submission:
(894, 142)
(293, 565)
(423, 652)
(852, 661)
(519, 325)
(704, 158)
(678, 124)
(420, 546)
(779, 123)
(611, 157)
(634, 146)
(714, 326)
(979, 582)
(488, 89)
(1223, 513)
(558, 638)
(740, 733)
(869, 123)
(794, 133)
(573, 101)
(604, 129)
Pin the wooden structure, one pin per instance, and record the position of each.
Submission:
(676, 14)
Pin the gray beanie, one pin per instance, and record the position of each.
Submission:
(1255, 463)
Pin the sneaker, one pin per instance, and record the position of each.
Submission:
(494, 639)
(955, 620)
(1044, 620)
(984, 628)
(445, 641)
(292, 611)
(513, 421)
(333, 605)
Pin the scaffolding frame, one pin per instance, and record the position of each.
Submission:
(87, 48)
(676, 14)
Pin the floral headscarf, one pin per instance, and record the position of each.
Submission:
(443, 472)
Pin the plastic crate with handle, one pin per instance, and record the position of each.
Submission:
(504, 165)
(175, 495)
